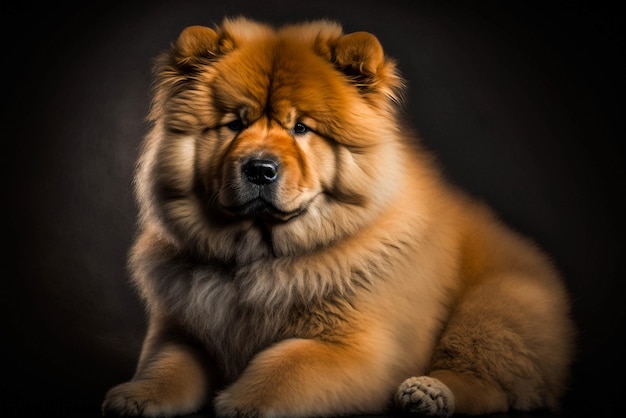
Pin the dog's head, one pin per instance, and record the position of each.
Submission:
(269, 141)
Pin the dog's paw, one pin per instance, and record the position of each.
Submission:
(226, 407)
(141, 398)
(425, 396)
(128, 399)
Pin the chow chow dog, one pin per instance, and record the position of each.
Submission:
(300, 254)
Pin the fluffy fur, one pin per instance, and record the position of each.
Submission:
(299, 254)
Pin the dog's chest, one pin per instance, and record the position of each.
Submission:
(234, 331)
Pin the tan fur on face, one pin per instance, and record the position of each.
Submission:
(347, 272)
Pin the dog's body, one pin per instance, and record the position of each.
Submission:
(300, 255)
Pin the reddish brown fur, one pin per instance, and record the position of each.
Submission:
(300, 255)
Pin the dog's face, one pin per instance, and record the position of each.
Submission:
(269, 143)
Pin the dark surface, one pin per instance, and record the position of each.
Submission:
(522, 104)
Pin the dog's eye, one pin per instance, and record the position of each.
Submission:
(235, 126)
(300, 128)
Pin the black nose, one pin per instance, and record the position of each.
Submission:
(261, 171)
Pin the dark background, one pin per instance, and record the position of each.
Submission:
(521, 101)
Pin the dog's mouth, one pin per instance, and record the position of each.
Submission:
(261, 209)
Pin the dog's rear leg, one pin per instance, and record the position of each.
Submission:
(505, 346)
(438, 395)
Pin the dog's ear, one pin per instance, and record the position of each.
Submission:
(360, 56)
(199, 42)
(359, 53)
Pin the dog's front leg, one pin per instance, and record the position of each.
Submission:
(172, 378)
(306, 377)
